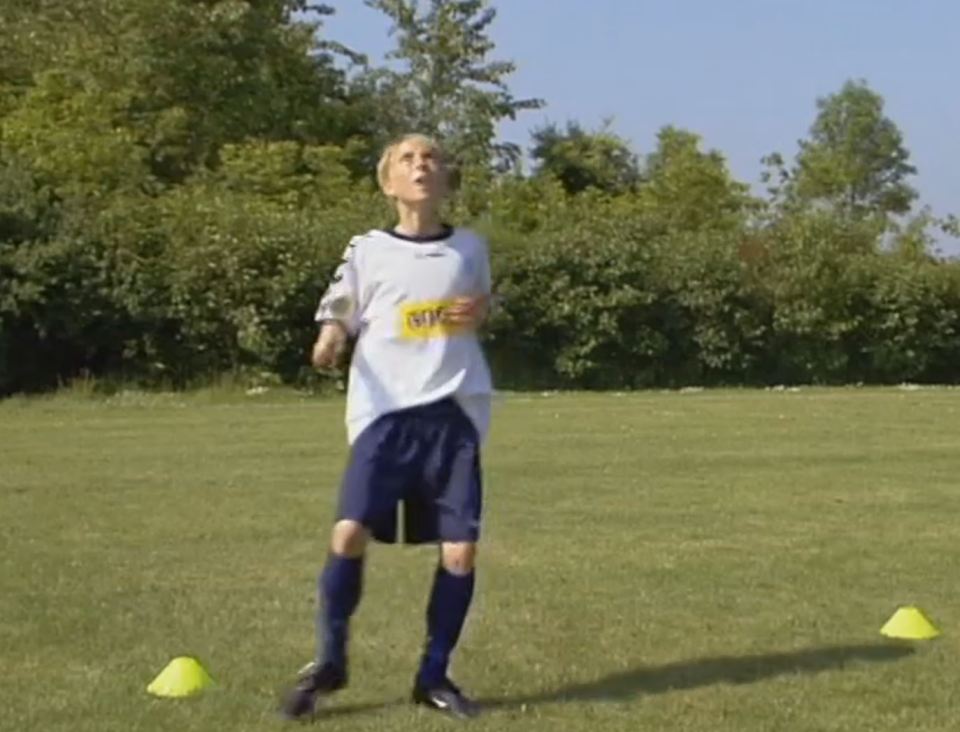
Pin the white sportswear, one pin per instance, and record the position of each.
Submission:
(389, 292)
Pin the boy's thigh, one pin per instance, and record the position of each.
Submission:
(375, 480)
(459, 499)
(447, 504)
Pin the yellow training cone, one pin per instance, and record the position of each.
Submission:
(909, 623)
(183, 676)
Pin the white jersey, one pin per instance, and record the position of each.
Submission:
(389, 291)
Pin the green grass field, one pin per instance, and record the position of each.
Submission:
(656, 561)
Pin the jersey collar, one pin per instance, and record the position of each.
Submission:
(445, 233)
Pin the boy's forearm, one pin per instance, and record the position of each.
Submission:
(332, 331)
(329, 344)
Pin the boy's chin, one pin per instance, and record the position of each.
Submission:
(421, 200)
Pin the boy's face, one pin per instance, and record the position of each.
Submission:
(417, 174)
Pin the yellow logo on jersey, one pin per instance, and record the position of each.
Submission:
(424, 320)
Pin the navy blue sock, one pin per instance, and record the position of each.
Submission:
(339, 584)
(446, 612)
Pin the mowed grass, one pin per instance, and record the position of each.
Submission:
(720, 560)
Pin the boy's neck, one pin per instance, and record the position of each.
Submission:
(416, 221)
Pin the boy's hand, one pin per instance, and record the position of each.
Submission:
(469, 312)
(329, 346)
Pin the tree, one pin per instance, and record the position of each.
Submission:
(175, 80)
(581, 160)
(113, 113)
(445, 84)
(854, 160)
(689, 189)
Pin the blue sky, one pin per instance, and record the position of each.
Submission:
(744, 74)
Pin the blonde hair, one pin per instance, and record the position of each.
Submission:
(386, 159)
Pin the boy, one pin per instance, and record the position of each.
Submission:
(418, 407)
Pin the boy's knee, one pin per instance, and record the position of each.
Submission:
(349, 539)
(458, 557)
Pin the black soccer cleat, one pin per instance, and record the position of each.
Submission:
(313, 681)
(445, 697)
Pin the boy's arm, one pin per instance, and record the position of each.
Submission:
(329, 345)
(338, 314)
(472, 311)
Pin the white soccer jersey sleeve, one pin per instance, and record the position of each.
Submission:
(341, 301)
(390, 293)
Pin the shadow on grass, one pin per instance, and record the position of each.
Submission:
(690, 674)
(699, 672)
(325, 713)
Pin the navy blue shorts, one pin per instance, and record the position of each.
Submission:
(426, 458)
